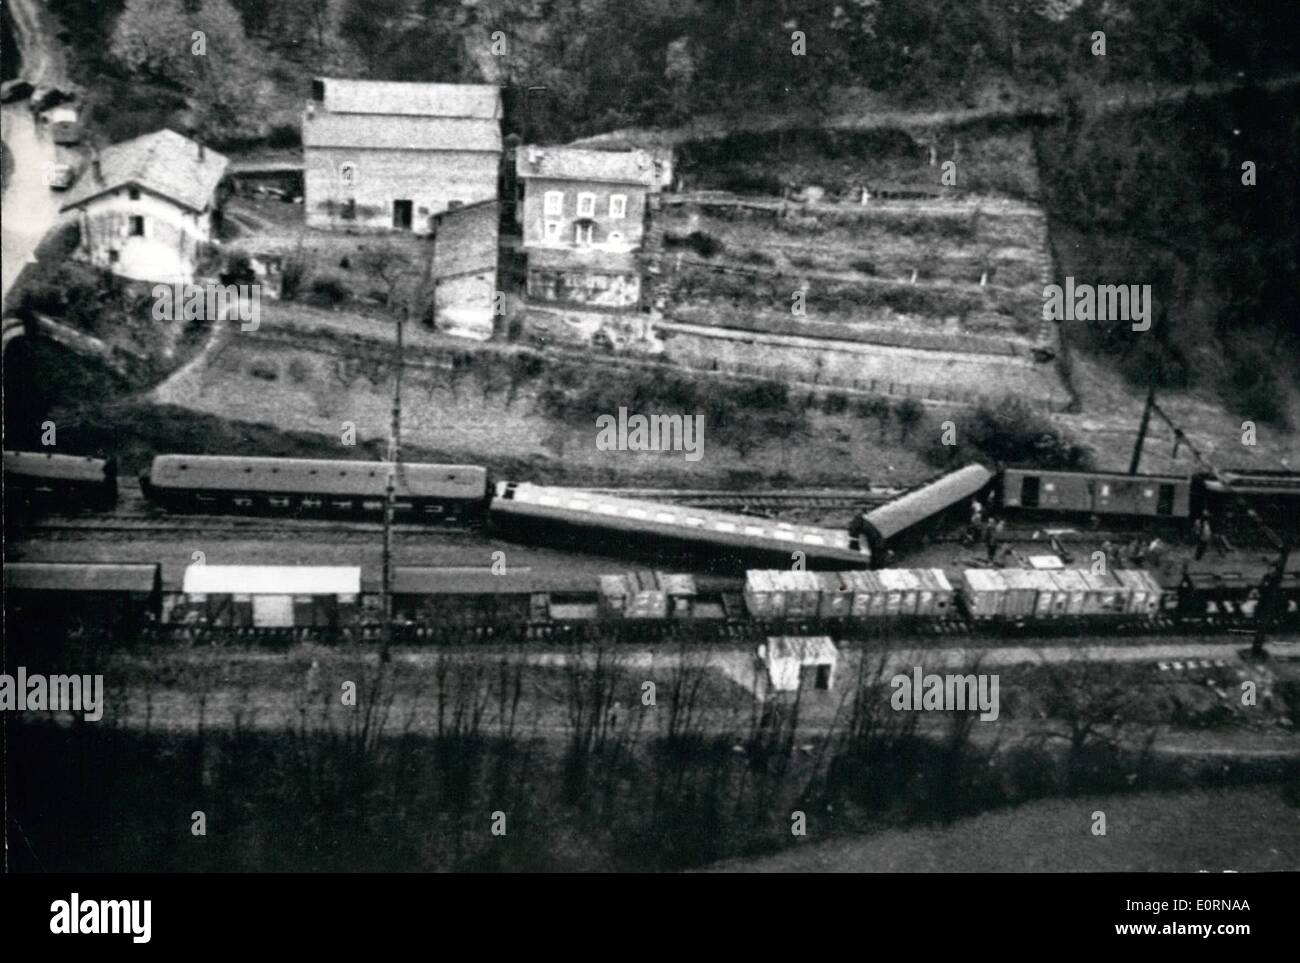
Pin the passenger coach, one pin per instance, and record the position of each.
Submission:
(219, 483)
(538, 511)
(60, 482)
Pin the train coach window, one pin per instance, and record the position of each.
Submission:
(579, 505)
(664, 517)
(607, 509)
(755, 531)
(814, 540)
(637, 513)
(786, 536)
(549, 500)
(724, 526)
(694, 520)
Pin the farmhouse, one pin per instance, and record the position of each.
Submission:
(381, 155)
(147, 206)
(577, 199)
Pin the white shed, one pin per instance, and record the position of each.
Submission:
(790, 660)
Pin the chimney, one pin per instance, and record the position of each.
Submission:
(95, 168)
(201, 153)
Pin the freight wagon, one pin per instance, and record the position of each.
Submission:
(1096, 493)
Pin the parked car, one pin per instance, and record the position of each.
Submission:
(60, 176)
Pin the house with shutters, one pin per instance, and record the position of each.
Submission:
(381, 155)
(583, 217)
(147, 207)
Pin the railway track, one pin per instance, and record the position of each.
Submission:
(220, 524)
(137, 519)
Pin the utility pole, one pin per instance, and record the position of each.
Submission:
(390, 497)
(1142, 431)
(1270, 602)
(395, 463)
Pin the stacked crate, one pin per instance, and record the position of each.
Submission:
(836, 595)
(633, 595)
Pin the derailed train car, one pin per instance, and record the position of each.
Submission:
(919, 509)
(542, 512)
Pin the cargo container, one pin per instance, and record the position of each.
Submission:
(983, 591)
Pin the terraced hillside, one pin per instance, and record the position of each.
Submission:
(938, 297)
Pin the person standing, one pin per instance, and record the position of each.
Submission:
(1204, 535)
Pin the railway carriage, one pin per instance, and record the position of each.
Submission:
(44, 480)
(42, 600)
(920, 508)
(219, 483)
(1096, 493)
(539, 511)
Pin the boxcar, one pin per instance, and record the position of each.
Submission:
(271, 597)
(44, 596)
(222, 483)
(1061, 492)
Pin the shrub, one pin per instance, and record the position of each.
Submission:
(284, 137)
(328, 290)
(835, 403)
(909, 412)
(705, 245)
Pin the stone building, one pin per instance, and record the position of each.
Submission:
(146, 207)
(381, 155)
(464, 273)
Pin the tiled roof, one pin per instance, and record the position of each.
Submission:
(400, 116)
(481, 101)
(570, 164)
(394, 132)
(163, 162)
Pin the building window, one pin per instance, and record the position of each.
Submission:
(618, 205)
(134, 193)
(349, 212)
(554, 203)
(137, 225)
(552, 230)
(582, 234)
(586, 205)
(112, 255)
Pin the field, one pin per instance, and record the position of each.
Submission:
(414, 771)
(1254, 830)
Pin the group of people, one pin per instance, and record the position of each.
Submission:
(988, 530)
(1135, 553)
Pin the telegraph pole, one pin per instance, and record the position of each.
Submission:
(390, 497)
(1270, 602)
(1142, 430)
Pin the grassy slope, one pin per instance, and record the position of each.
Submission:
(1247, 830)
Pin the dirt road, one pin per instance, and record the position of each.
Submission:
(30, 208)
